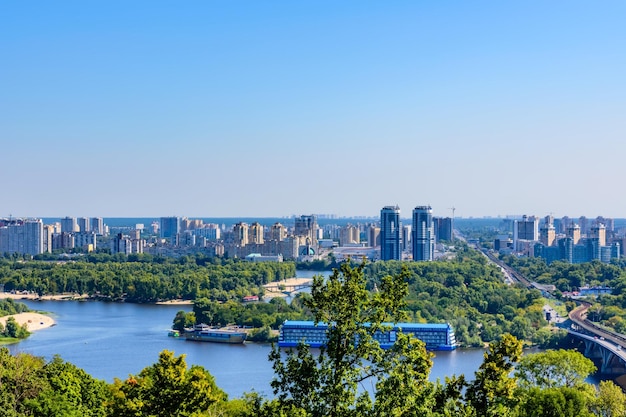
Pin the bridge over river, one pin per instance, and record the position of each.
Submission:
(599, 343)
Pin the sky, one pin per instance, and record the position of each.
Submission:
(274, 108)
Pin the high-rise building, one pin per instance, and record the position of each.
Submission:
(565, 223)
(608, 223)
(444, 228)
(121, 244)
(349, 235)
(63, 241)
(407, 231)
(48, 233)
(573, 232)
(423, 234)
(85, 240)
(68, 225)
(240, 234)
(306, 226)
(373, 236)
(22, 236)
(599, 231)
(278, 232)
(390, 233)
(97, 225)
(255, 233)
(583, 222)
(83, 224)
(547, 234)
(169, 227)
(528, 228)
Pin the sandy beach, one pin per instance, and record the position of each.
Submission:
(175, 303)
(34, 321)
(34, 296)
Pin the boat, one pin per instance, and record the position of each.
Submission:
(205, 333)
(173, 333)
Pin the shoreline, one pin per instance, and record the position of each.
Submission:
(34, 321)
(34, 296)
(175, 303)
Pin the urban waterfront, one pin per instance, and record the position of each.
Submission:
(111, 340)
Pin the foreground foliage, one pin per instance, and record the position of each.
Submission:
(335, 381)
(165, 389)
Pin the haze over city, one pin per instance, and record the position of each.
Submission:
(227, 109)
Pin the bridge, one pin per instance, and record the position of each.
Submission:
(611, 355)
(288, 286)
(599, 343)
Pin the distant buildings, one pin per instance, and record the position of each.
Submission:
(306, 228)
(563, 239)
(302, 238)
(127, 244)
(349, 235)
(21, 236)
(390, 233)
(68, 225)
(444, 228)
(83, 224)
(423, 234)
(97, 225)
(169, 227)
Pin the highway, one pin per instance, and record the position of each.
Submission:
(578, 316)
(510, 273)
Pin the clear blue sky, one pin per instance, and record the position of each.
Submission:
(272, 108)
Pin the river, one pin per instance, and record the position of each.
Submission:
(110, 340)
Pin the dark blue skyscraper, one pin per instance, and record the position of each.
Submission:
(423, 234)
(390, 233)
(170, 227)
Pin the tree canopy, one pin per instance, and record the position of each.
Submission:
(337, 380)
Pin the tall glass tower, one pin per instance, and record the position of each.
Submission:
(423, 234)
(390, 234)
(170, 227)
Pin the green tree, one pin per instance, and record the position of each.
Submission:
(554, 368)
(71, 392)
(14, 330)
(492, 392)
(165, 389)
(555, 402)
(20, 381)
(610, 401)
(183, 320)
(328, 384)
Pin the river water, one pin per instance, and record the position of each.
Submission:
(113, 340)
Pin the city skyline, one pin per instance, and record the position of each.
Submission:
(279, 108)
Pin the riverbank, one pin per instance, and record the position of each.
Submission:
(33, 321)
(175, 303)
(35, 296)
